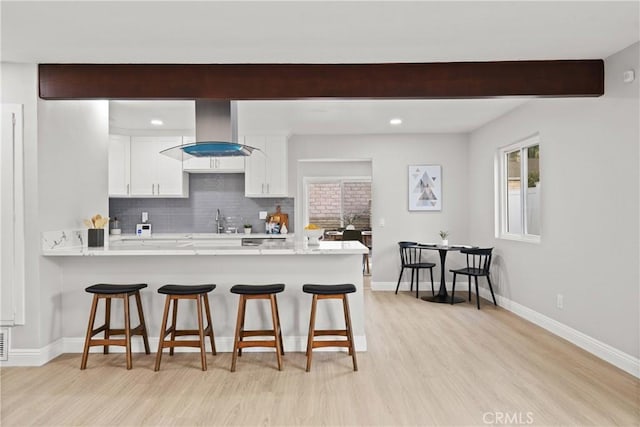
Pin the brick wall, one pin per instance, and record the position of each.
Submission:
(325, 200)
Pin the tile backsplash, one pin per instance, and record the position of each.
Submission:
(196, 214)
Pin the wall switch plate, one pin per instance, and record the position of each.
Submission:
(628, 76)
(145, 216)
(560, 301)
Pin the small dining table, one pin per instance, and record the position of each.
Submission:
(442, 296)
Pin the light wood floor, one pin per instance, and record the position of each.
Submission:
(427, 364)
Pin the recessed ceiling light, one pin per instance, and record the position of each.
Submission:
(157, 122)
(395, 121)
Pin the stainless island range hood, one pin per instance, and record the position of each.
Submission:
(216, 133)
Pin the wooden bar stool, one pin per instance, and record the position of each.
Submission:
(108, 292)
(330, 292)
(247, 292)
(175, 293)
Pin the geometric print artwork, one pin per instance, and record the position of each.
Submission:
(425, 188)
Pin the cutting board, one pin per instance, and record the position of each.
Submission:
(281, 218)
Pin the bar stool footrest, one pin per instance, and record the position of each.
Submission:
(332, 343)
(325, 332)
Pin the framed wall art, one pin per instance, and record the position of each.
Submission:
(425, 187)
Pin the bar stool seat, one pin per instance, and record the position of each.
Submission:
(185, 289)
(247, 292)
(257, 289)
(329, 289)
(175, 293)
(330, 292)
(108, 291)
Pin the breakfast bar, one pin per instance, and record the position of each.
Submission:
(192, 261)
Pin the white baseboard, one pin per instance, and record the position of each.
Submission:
(425, 285)
(34, 357)
(610, 354)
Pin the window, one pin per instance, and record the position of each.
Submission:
(518, 191)
(336, 203)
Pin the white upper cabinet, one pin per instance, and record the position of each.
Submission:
(119, 165)
(212, 164)
(266, 170)
(154, 174)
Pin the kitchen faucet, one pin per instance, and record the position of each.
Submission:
(219, 226)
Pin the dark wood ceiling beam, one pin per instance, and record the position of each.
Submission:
(564, 78)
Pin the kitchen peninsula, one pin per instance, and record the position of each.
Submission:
(200, 259)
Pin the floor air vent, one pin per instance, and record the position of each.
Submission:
(4, 344)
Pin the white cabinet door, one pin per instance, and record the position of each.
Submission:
(119, 165)
(276, 167)
(254, 167)
(266, 170)
(170, 179)
(152, 173)
(228, 164)
(143, 166)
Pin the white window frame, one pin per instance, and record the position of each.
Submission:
(501, 191)
(326, 179)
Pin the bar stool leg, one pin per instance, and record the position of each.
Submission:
(92, 318)
(347, 318)
(243, 303)
(127, 331)
(163, 333)
(143, 325)
(274, 317)
(174, 318)
(209, 324)
(312, 328)
(107, 323)
(279, 327)
(203, 354)
(236, 339)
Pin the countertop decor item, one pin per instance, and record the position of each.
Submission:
(443, 236)
(314, 234)
(279, 217)
(95, 234)
(247, 229)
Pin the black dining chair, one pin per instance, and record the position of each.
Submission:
(478, 264)
(356, 235)
(411, 257)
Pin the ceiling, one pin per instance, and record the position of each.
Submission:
(313, 31)
(322, 32)
(322, 117)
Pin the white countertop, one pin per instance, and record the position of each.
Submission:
(182, 247)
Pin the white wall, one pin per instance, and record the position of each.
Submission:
(589, 208)
(65, 179)
(73, 185)
(390, 157)
(20, 86)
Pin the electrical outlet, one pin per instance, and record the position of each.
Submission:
(560, 301)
